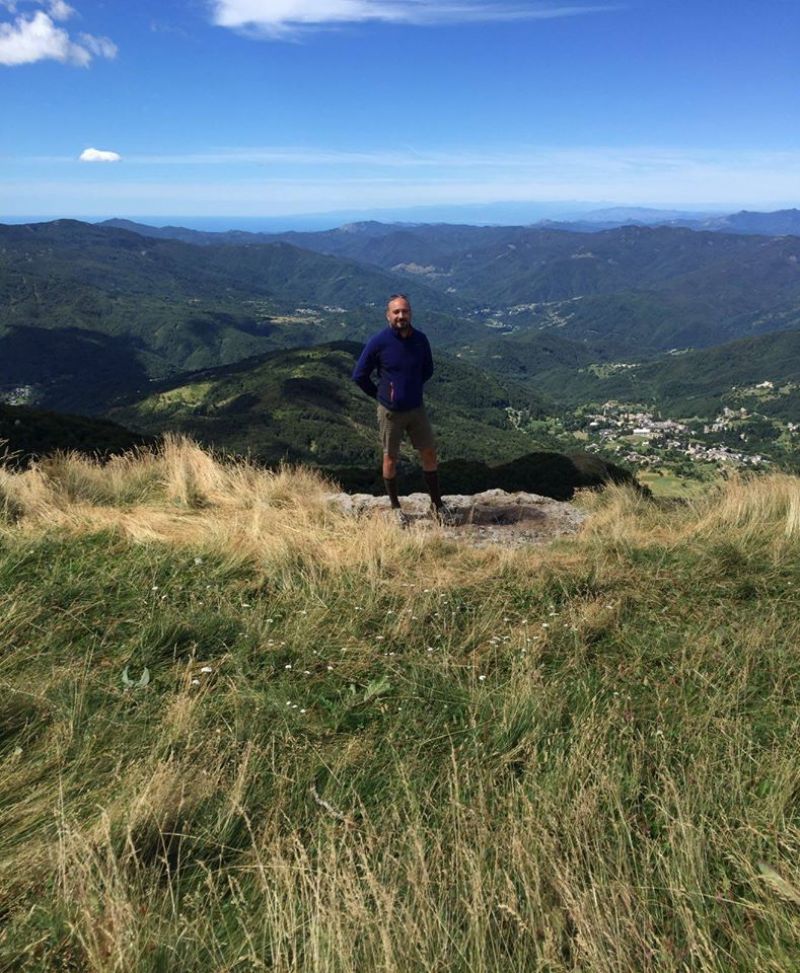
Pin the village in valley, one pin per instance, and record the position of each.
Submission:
(645, 440)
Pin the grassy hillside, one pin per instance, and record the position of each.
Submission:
(695, 383)
(301, 404)
(361, 748)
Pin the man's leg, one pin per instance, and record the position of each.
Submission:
(423, 440)
(391, 434)
(430, 470)
(390, 479)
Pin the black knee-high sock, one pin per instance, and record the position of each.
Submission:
(391, 490)
(432, 483)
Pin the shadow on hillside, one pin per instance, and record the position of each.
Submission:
(28, 434)
(71, 368)
(552, 475)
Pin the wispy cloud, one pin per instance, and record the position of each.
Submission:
(583, 161)
(282, 18)
(36, 36)
(280, 181)
(99, 155)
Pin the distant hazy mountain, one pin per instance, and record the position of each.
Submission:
(777, 223)
(780, 223)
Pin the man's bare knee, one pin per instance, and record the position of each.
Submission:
(428, 458)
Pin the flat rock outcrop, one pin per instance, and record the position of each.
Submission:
(491, 517)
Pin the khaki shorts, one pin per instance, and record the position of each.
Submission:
(393, 425)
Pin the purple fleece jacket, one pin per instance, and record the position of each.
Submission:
(403, 366)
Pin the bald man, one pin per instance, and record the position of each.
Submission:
(401, 358)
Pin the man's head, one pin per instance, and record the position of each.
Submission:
(398, 314)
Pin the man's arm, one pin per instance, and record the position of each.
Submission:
(362, 373)
(427, 361)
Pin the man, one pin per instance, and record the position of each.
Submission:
(401, 357)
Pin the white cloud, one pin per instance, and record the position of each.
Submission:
(99, 46)
(99, 155)
(28, 39)
(60, 10)
(275, 18)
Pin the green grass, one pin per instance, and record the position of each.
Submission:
(669, 485)
(407, 755)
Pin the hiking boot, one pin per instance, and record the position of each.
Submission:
(401, 518)
(444, 516)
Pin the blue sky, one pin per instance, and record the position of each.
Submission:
(272, 108)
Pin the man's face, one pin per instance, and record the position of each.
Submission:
(398, 314)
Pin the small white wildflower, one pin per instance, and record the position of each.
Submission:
(306, 672)
(430, 648)
(269, 620)
(195, 682)
(330, 668)
(302, 711)
(288, 665)
(481, 678)
(206, 669)
(154, 588)
(288, 702)
(545, 625)
(379, 638)
(198, 560)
